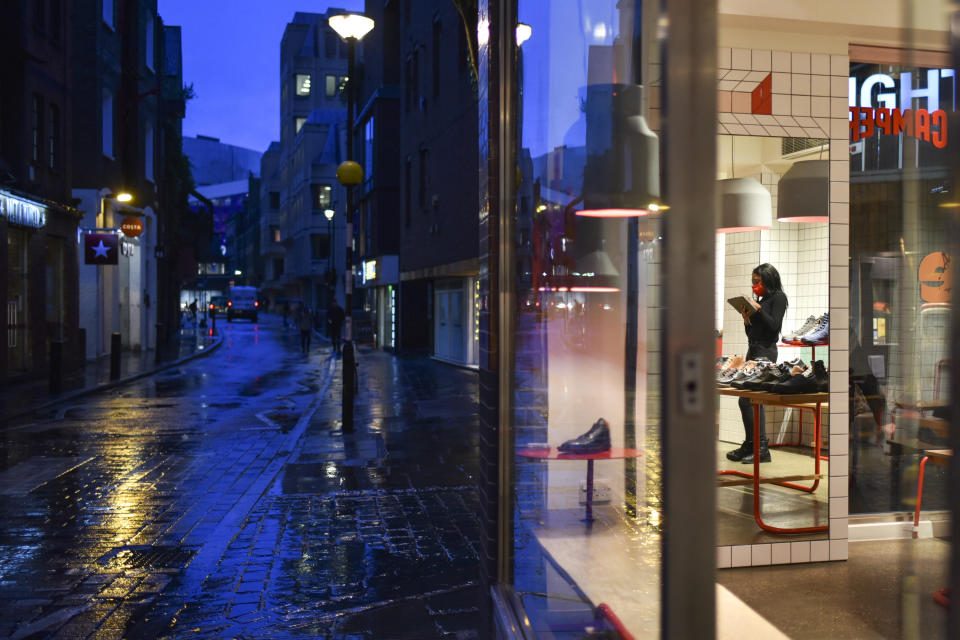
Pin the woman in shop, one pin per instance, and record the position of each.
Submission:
(762, 325)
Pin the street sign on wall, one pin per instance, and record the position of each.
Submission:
(100, 248)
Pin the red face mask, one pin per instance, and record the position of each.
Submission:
(759, 289)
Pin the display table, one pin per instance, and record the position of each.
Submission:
(552, 453)
(812, 401)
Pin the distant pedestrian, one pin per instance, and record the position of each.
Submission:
(305, 324)
(193, 310)
(335, 324)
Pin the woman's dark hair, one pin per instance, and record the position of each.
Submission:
(770, 278)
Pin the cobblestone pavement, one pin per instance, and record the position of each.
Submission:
(224, 500)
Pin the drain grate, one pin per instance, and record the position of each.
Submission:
(146, 557)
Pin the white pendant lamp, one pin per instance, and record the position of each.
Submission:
(803, 193)
(745, 205)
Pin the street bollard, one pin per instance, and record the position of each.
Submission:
(158, 351)
(115, 355)
(56, 366)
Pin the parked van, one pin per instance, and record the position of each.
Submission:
(243, 302)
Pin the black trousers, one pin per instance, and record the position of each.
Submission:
(746, 407)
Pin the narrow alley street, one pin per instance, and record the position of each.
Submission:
(221, 498)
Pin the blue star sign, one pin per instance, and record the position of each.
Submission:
(100, 248)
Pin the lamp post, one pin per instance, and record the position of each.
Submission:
(351, 27)
(328, 278)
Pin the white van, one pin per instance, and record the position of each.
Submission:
(242, 303)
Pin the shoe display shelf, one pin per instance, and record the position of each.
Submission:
(552, 453)
(803, 345)
(803, 401)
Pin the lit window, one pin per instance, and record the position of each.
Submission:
(275, 232)
(322, 196)
(330, 87)
(302, 82)
(299, 121)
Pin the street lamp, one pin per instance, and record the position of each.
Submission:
(351, 27)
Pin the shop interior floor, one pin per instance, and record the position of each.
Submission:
(781, 507)
(861, 598)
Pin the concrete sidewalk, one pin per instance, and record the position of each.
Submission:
(22, 398)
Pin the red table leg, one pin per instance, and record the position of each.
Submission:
(589, 515)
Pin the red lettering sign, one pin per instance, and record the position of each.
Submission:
(917, 123)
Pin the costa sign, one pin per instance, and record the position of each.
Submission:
(886, 104)
(131, 226)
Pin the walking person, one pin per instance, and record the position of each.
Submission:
(762, 325)
(305, 324)
(335, 317)
(193, 311)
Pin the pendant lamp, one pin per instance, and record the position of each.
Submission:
(803, 194)
(623, 179)
(745, 204)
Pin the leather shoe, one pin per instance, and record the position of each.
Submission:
(593, 441)
(764, 454)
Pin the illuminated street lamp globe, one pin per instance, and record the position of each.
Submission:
(328, 214)
(351, 25)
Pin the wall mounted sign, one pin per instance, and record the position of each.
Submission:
(100, 248)
(369, 270)
(131, 226)
(936, 278)
(22, 212)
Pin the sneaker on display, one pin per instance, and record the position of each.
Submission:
(820, 333)
(773, 375)
(807, 326)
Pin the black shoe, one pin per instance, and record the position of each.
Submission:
(737, 454)
(770, 377)
(764, 454)
(595, 440)
(758, 372)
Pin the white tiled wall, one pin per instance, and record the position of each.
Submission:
(809, 101)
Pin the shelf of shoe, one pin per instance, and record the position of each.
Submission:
(813, 401)
(552, 453)
(813, 347)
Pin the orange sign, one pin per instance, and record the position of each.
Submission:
(131, 226)
(936, 279)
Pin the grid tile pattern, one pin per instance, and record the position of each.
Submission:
(809, 101)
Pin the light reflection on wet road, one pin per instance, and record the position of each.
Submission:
(220, 499)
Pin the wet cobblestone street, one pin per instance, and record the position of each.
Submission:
(223, 499)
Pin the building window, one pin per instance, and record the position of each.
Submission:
(277, 267)
(148, 154)
(108, 12)
(53, 137)
(330, 44)
(298, 122)
(330, 86)
(106, 113)
(274, 199)
(422, 187)
(436, 58)
(322, 196)
(407, 188)
(275, 233)
(302, 82)
(368, 153)
(319, 246)
(148, 44)
(37, 111)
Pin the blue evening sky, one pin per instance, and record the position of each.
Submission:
(231, 54)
